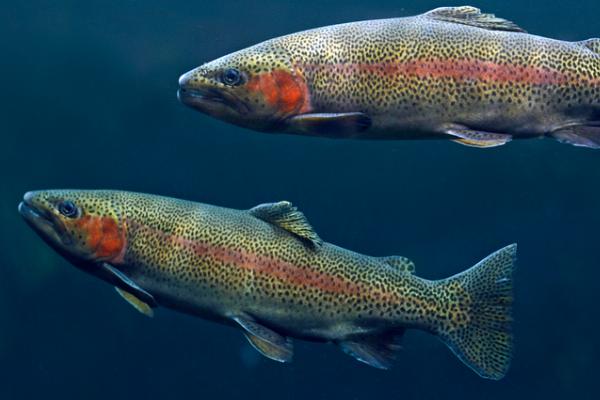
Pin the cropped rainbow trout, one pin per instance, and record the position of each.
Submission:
(451, 73)
(266, 272)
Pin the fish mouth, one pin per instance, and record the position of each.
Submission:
(42, 220)
(207, 98)
(191, 96)
(33, 215)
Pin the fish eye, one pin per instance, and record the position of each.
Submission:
(231, 77)
(68, 209)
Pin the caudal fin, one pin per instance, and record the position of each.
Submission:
(478, 327)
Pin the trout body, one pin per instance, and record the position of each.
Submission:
(451, 73)
(266, 271)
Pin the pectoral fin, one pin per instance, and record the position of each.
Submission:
(330, 124)
(136, 303)
(376, 351)
(266, 341)
(119, 279)
(475, 138)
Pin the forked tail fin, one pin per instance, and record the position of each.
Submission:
(478, 327)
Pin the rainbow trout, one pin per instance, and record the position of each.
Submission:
(451, 73)
(266, 272)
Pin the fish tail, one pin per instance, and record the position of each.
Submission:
(477, 323)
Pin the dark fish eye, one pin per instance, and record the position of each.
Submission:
(231, 77)
(68, 209)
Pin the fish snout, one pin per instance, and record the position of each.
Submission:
(36, 214)
(188, 92)
(185, 79)
(26, 205)
(29, 196)
(192, 80)
(183, 83)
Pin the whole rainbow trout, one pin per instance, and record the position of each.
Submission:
(451, 73)
(266, 272)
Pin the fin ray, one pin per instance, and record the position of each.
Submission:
(266, 341)
(467, 15)
(119, 279)
(378, 351)
(480, 139)
(135, 302)
(284, 215)
(481, 337)
(581, 136)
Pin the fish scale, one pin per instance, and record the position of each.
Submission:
(206, 252)
(390, 46)
(413, 78)
(265, 270)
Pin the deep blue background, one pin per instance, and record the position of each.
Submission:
(88, 101)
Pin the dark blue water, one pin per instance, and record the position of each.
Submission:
(88, 101)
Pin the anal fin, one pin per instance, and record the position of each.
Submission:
(481, 139)
(266, 341)
(136, 303)
(582, 136)
(376, 351)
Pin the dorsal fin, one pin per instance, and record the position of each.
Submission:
(592, 44)
(284, 215)
(472, 16)
(400, 263)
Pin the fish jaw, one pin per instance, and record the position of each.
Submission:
(42, 221)
(209, 96)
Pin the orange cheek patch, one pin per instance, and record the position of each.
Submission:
(103, 235)
(290, 94)
(281, 90)
(112, 240)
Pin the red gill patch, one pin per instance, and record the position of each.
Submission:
(103, 236)
(284, 91)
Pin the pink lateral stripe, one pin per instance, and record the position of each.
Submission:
(284, 271)
(486, 71)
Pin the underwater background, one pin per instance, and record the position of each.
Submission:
(89, 101)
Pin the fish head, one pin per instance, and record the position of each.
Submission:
(86, 227)
(256, 88)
